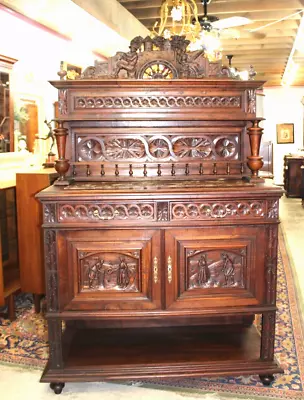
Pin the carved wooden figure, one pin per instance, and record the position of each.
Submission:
(160, 236)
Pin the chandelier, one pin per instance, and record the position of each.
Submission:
(180, 17)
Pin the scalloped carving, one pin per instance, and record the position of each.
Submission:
(89, 102)
(205, 211)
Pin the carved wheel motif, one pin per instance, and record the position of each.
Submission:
(159, 147)
(225, 148)
(158, 70)
(90, 149)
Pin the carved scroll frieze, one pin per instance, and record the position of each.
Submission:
(49, 213)
(50, 251)
(205, 211)
(271, 265)
(251, 93)
(215, 268)
(91, 102)
(106, 211)
(63, 101)
(105, 271)
(158, 148)
(273, 209)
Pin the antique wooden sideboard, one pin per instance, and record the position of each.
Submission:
(160, 237)
(294, 176)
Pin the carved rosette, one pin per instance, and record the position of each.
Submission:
(205, 211)
(215, 268)
(49, 213)
(89, 102)
(157, 148)
(50, 251)
(109, 271)
(106, 212)
(271, 265)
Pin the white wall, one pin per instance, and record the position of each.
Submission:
(283, 105)
(39, 53)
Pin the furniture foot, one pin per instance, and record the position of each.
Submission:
(266, 379)
(57, 387)
(11, 307)
(37, 302)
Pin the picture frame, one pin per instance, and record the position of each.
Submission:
(285, 133)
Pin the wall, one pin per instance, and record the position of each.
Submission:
(39, 53)
(283, 105)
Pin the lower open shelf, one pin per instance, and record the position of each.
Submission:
(98, 354)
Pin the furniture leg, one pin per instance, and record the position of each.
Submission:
(37, 302)
(268, 334)
(11, 307)
(266, 379)
(55, 343)
(57, 387)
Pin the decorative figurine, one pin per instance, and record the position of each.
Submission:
(50, 162)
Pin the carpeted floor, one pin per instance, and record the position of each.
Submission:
(23, 342)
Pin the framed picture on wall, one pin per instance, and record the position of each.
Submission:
(285, 133)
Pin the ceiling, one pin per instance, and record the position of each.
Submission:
(268, 50)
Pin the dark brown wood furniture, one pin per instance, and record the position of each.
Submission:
(293, 175)
(9, 269)
(30, 235)
(6, 105)
(160, 236)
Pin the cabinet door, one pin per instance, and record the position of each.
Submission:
(215, 267)
(109, 270)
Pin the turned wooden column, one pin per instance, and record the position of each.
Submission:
(62, 164)
(255, 162)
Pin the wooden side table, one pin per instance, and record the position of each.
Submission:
(30, 239)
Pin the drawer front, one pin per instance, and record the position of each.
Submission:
(216, 267)
(108, 270)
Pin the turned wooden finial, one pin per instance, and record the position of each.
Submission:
(255, 161)
(62, 164)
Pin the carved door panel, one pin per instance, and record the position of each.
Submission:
(109, 270)
(214, 267)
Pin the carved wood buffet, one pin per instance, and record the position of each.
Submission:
(160, 237)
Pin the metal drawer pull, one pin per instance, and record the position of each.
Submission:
(169, 269)
(155, 269)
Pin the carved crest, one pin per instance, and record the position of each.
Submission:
(157, 58)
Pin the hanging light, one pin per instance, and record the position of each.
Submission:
(180, 17)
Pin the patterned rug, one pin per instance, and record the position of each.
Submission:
(24, 342)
